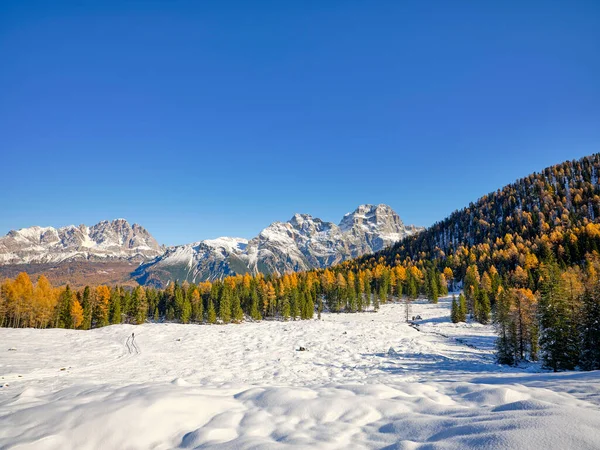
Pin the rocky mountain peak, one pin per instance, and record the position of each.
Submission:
(380, 216)
(302, 243)
(107, 240)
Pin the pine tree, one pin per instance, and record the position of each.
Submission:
(285, 308)
(310, 306)
(254, 308)
(462, 308)
(432, 280)
(590, 329)
(505, 347)
(367, 294)
(115, 307)
(179, 300)
(484, 309)
(236, 309)
(225, 304)
(86, 303)
(197, 306)
(65, 304)
(554, 321)
(454, 312)
(211, 314)
(186, 311)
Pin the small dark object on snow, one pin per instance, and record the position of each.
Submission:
(301, 349)
(64, 368)
(178, 339)
(345, 332)
(12, 349)
(418, 318)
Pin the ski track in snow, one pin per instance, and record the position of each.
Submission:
(365, 381)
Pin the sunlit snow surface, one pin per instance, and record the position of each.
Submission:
(366, 381)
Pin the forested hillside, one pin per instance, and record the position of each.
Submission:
(552, 212)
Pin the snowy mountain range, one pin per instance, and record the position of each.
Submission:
(115, 240)
(302, 243)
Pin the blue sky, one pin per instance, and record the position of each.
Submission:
(201, 119)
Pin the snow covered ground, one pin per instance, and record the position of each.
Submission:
(365, 381)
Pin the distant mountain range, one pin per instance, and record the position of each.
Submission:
(115, 240)
(110, 248)
(301, 243)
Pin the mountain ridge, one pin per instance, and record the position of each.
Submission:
(301, 243)
(106, 240)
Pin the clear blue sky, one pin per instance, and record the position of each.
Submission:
(206, 118)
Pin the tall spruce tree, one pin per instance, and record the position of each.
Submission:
(211, 314)
(554, 321)
(236, 309)
(484, 309)
(454, 312)
(505, 345)
(462, 308)
(225, 304)
(590, 329)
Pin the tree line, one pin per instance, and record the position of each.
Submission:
(294, 296)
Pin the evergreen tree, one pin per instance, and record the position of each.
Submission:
(590, 329)
(115, 307)
(186, 310)
(65, 303)
(254, 308)
(505, 347)
(310, 306)
(462, 308)
(197, 306)
(179, 300)
(484, 309)
(86, 303)
(413, 288)
(236, 309)
(211, 314)
(554, 321)
(454, 312)
(367, 294)
(225, 304)
(285, 308)
(432, 280)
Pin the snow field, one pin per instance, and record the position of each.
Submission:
(366, 381)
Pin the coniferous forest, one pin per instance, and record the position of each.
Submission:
(525, 257)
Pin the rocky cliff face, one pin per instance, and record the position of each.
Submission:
(301, 243)
(105, 241)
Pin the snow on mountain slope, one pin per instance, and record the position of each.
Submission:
(366, 381)
(301, 243)
(106, 240)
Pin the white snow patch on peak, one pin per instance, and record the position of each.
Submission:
(231, 244)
